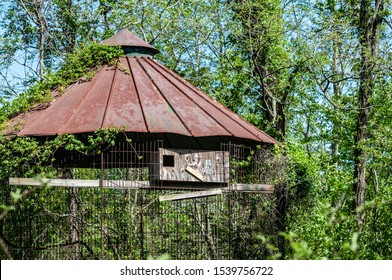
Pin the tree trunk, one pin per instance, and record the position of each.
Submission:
(41, 53)
(73, 222)
(368, 27)
(261, 37)
(70, 27)
(336, 92)
(73, 209)
(35, 12)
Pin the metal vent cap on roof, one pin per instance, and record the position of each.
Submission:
(131, 44)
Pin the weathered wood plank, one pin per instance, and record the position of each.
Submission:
(195, 194)
(262, 188)
(196, 173)
(77, 183)
(124, 184)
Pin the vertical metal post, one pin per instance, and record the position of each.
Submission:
(143, 256)
(102, 205)
(142, 251)
(228, 148)
(229, 199)
(73, 222)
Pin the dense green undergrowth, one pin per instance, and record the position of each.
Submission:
(321, 220)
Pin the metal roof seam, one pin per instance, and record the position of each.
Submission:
(138, 95)
(191, 87)
(164, 97)
(216, 104)
(91, 86)
(185, 95)
(110, 94)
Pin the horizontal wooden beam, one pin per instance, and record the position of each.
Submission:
(78, 183)
(251, 188)
(188, 195)
(258, 188)
(202, 188)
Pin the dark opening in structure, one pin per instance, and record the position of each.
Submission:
(168, 160)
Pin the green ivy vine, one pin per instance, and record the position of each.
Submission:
(83, 63)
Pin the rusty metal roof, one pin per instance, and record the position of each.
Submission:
(140, 95)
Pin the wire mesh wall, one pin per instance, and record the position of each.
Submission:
(123, 218)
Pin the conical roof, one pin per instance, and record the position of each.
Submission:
(142, 96)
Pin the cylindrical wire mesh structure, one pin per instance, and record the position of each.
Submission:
(123, 217)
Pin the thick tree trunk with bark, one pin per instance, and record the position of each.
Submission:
(370, 20)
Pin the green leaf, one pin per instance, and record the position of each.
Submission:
(16, 195)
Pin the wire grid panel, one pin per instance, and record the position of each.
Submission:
(123, 218)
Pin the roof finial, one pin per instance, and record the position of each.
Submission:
(131, 44)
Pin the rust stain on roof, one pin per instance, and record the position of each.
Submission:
(140, 95)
